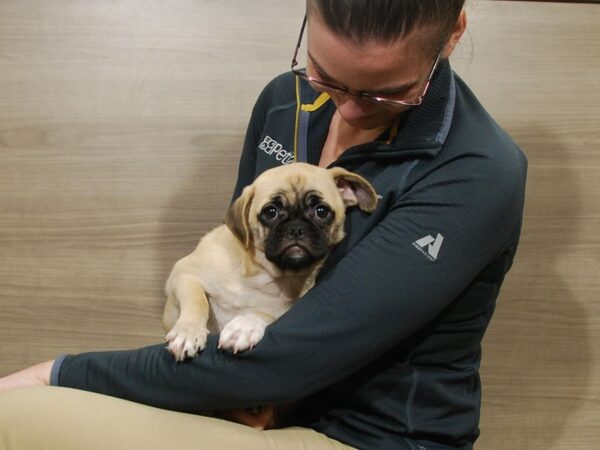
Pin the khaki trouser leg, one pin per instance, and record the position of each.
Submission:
(51, 418)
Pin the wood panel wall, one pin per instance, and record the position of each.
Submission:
(536, 66)
(120, 126)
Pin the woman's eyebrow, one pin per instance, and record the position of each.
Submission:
(385, 91)
(318, 67)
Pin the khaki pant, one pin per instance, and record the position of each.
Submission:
(53, 418)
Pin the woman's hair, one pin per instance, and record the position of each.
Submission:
(387, 20)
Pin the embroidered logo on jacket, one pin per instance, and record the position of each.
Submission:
(273, 148)
(433, 246)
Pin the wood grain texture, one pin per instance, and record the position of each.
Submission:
(120, 127)
(536, 67)
(121, 124)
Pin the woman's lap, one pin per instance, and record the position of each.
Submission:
(67, 419)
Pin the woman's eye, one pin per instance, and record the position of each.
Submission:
(322, 212)
(270, 212)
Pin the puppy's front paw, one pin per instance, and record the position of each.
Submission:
(242, 333)
(185, 339)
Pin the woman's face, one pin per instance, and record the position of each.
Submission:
(398, 70)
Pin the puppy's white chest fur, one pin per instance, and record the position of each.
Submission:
(256, 294)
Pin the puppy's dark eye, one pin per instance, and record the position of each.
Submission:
(270, 212)
(322, 212)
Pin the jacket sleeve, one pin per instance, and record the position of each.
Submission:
(381, 292)
(280, 91)
(247, 165)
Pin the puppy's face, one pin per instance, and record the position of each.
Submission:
(295, 213)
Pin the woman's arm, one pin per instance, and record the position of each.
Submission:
(379, 294)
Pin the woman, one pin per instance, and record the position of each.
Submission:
(384, 351)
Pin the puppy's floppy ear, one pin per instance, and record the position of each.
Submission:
(238, 214)
(354, 189)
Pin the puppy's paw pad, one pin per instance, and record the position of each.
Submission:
(186, 339)
(242, 333)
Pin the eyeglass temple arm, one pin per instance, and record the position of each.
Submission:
(294, 61)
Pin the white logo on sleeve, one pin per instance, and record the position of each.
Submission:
(273, 148)
(429, 246)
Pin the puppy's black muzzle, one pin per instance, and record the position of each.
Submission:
(295, 244)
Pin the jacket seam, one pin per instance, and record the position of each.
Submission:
(409, 401)
(448, 113)
(404, 179)
(279, 108)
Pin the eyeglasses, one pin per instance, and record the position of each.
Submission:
(326, 86)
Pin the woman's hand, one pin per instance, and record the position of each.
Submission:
(38, 375)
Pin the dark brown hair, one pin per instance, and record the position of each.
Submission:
(387, 20)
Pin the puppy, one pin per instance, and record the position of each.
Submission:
(246, 273)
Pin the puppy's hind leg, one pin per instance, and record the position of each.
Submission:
(188, 333)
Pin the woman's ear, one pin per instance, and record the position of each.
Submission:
(459, 28)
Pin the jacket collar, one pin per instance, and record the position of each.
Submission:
(423, 132)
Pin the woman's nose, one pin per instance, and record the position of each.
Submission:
(351, 107)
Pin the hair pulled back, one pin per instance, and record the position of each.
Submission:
(385, 21)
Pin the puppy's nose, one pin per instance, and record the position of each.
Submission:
(295, 232)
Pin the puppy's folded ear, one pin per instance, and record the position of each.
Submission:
(238, 214)
(354, 189)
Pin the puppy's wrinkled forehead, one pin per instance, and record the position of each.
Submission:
(291, 186)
